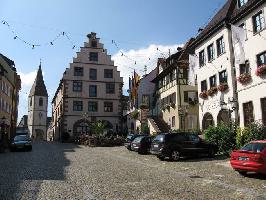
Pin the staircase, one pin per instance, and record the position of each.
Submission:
(159, 125)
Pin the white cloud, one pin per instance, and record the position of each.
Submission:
(145, 56)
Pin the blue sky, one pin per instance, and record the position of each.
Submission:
(138, 27)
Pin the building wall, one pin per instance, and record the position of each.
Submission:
(256, 88)
(223, 62)
(65, 97)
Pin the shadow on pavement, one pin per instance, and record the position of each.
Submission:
(22, 173)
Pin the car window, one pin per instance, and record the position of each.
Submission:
(137, 139)
(159, 138)
(21, 138)
(193, 138)
(178, 138)
(260, 147)
(129, 137)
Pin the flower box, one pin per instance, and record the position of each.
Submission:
(223, 87)
(203, 94)
(261, 70)
(212, 91)
(244, 78)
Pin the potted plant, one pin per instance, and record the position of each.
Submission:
(244, 78)
(203, 94)
(223, 87)
(261, 70)
(212, 91)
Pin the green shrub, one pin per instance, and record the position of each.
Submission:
(224, 136)
(255, 131)
(145, 128)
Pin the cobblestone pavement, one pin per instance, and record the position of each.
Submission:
(67, 171)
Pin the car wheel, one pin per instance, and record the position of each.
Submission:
(211, 153)
(175, 155)
(242, 173)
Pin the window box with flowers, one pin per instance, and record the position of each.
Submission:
(261, 70)
(212, 91)
(223, 87)
(244, 78)
(135, 114)
(203, 94)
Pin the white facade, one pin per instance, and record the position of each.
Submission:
(254, 90)
(223, 62)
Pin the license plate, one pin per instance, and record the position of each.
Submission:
(156, 145)
(242, 158)
(134, 145)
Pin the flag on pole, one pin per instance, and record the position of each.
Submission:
(192, 71)
(238, 38)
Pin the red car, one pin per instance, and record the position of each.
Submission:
(250, 158)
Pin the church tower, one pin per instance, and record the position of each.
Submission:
(37, 108)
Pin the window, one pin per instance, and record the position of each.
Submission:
(248, 113)
(108, 106)
(92, 106)
(78, 71)
(258, 22)
(93, 56)
(263, 110)
(190, 96)
(77, 105)
(41, 102)
(210, 51)
(93, 74)
(202, 60)
(110, 88)
(203, 85)
(146, 100)
(77, 86)
(220, 46)
(173, 121)
(244, 68)
(30, 101)
(213, 81)
(94, 43)
(242, 2)
(108, 73)
(223, 76)
(261, 58)
(93, 91)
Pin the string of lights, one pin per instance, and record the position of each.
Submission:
(66, 35)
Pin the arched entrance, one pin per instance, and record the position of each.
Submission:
(81, 126)
(207, 121)
(223, 117)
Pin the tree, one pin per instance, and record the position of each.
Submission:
(98, 128)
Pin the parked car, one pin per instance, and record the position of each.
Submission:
(21, 142)
(177, 145)
(142, 144)
(129, 139)
(250, 158)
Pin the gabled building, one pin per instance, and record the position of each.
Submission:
(220, 94)
(90, 91)
(176, 99)
(10, 85)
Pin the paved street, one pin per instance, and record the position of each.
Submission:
(67, 171)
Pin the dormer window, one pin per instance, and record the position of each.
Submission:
(242, 3)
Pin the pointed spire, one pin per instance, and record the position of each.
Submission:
(38, 87)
